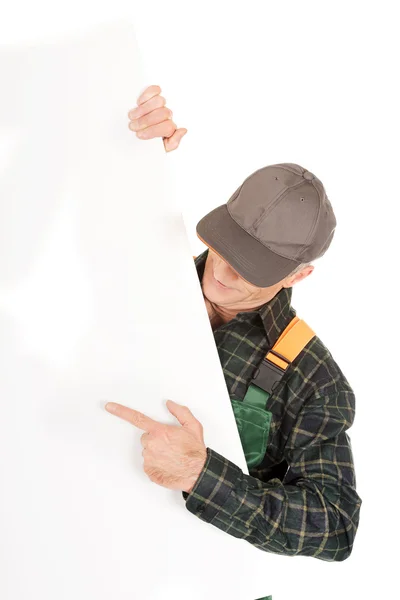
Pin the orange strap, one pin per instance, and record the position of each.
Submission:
(290, 343)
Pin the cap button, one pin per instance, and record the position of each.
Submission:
(309, 176)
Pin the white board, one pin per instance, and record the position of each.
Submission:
(99, 301)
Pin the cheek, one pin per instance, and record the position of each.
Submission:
(252, 294)
(247, 290)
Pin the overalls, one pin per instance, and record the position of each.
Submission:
(252, 418)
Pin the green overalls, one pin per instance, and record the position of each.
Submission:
(252, 418)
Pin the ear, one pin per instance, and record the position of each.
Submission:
(290, 281)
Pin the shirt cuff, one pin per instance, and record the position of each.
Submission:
(213, 487)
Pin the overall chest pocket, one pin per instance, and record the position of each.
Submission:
(253, 423)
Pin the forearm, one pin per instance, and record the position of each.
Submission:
(295, 519)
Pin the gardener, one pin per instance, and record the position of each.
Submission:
(300, 496)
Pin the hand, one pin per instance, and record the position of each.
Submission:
(153, 119)
(174, 456)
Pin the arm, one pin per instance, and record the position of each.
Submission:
(314, 511)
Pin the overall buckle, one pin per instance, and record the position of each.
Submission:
(268, 375)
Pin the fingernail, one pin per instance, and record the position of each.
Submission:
(141, 134)
(133, 113)
(110, 406)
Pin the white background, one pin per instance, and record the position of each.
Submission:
(258, 83)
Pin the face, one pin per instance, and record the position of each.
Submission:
(236, 294)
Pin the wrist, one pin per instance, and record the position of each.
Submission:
(198, 467)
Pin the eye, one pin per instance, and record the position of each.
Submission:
(302, 199)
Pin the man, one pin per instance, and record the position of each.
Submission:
(300, 496)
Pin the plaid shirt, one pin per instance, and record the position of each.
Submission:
(301, 499)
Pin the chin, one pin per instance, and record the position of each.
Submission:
(214, 294)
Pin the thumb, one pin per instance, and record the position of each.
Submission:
(185, 417)
(173, 142)
(181, 132)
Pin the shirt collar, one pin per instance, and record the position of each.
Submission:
(275, 314)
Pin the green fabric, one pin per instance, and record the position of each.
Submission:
(301, 498)
(256, 396)
(253, 423)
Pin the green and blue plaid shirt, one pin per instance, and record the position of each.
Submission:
(301, 499)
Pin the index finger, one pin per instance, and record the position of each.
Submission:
(150, 92)
(132, 416)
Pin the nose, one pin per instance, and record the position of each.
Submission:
(224, 273)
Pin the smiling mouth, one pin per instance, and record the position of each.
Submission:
(221, 284)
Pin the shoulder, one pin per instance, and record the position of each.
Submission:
(315, 380)
(317, 362)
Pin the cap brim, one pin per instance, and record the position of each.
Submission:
(253, 261)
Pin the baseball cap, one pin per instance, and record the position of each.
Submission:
(277, 219)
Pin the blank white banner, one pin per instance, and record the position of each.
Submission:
(100, 301)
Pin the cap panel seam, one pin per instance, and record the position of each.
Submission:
(279, 195)
(264, 216)
(288, 188)
(274, 203)
(265, 213)
(316, 220)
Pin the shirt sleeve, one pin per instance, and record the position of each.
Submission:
(313, 511)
